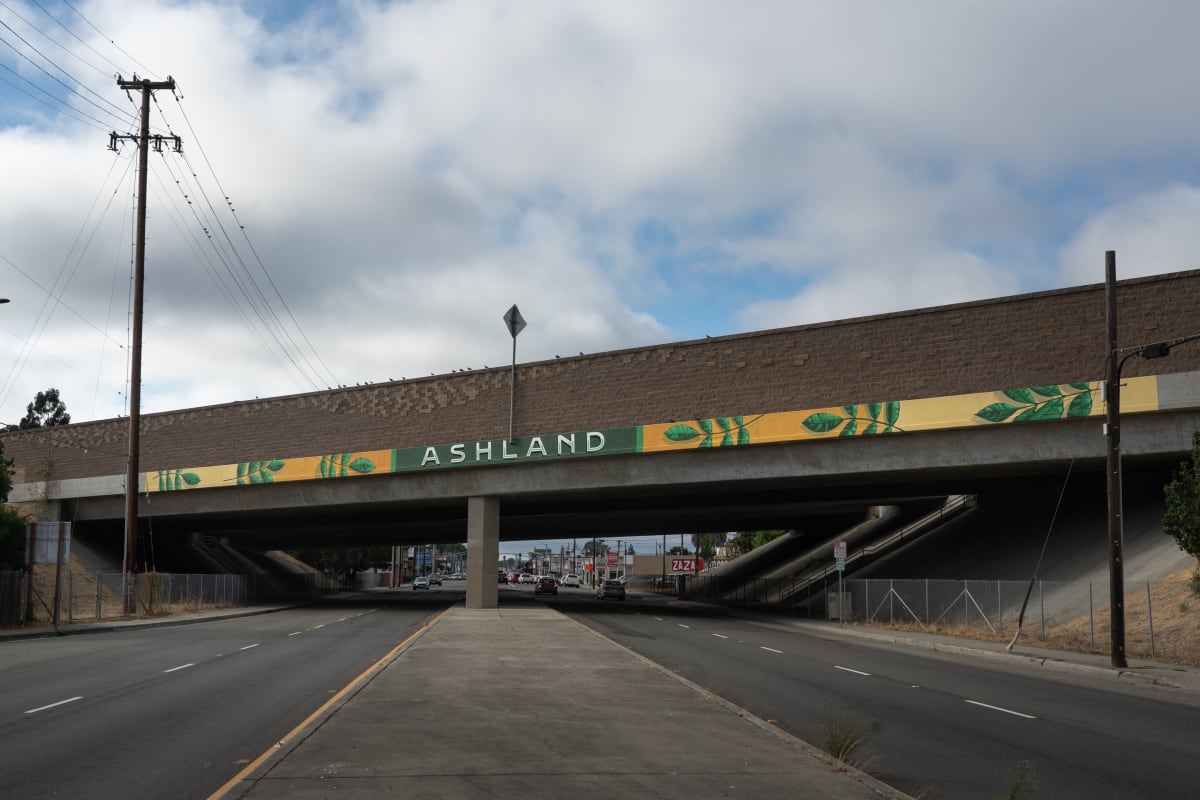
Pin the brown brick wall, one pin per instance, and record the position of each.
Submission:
(1024, 340)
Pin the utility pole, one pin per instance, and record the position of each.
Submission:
(139, 279)
(1116, 534)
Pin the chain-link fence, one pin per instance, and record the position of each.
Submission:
(84, 596)
(1066, 614)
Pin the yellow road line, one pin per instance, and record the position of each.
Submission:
(295, 732)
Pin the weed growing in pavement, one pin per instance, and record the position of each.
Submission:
(1022, 782)
(842, 734)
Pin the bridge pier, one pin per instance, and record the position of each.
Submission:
(483, 551)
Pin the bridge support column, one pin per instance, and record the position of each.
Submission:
(483, 551)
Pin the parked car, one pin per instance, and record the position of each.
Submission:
(571, 580)
(527, 578)
(546, 584)
(435, 580)
(614, 589)
(420, 583)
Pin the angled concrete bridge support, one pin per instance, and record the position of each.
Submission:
(483, 551)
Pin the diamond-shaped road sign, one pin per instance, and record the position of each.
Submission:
(514, 321)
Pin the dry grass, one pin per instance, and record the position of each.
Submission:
(1175, 606)
(84, 599)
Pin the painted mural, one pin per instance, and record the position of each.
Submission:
(1005, 407)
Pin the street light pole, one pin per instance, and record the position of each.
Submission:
(1112, 430)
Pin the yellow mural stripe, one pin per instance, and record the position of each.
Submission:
(1039, 403)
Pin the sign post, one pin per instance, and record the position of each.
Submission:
(515, 323)
(839, 562)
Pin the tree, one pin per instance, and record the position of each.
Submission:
(600, 549)
(746, 541)
(706, 544)
(1182, 520)
(46, 411)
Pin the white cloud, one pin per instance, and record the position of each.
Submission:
(408, 170)
(1151, 233)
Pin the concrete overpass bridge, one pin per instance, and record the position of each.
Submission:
(801, 427)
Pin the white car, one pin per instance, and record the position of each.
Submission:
(527, 578)
(570, 580)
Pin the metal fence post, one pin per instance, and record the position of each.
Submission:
(927, 601)
(1091, 619)
(999, 607)
(1150, 618)
(1042, 603)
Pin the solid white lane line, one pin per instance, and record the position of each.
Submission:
(998, 708)
(770, 649)
(247, 647)
(719, 636)
(52, 705)
(181, 666)
(297, 633)
(855, 671)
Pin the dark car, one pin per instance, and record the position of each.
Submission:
(546, 584)
(611, 589)
(435, 580)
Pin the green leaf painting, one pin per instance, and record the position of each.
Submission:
(1038, 403)
(682, 433)
(823, 422)
(880, 418)
(732, 430)
(255, 472)
(341, 465)
(174, 480)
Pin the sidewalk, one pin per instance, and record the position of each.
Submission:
(1026, 651)
(109, 625)
(502, 702)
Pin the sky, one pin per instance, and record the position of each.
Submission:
(365, 188)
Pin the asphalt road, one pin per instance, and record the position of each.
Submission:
(937, 726)
(177, 711)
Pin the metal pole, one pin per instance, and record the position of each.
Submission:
(512, 389)
(1150, 618)
(1112, 429)
(58, 559)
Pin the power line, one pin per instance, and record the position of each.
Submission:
(54, 78)
(332, 380)
(54, 294)
(79, 14)
(61, 24)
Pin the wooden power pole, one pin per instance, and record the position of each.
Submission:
(135, 352)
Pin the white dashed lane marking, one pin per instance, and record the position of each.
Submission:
(52, 705)
(855, 671)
